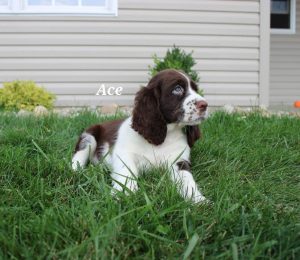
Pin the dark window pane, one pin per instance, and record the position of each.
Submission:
(280, 21)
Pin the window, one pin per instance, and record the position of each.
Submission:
(283, 16)
(95, 7)
(3, 5)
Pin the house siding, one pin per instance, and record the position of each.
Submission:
(285, 67)
(73, 56)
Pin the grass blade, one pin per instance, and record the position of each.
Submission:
(40, 150)
(234, 249)
(192, 243)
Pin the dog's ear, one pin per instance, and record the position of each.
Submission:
(192, 133)
(147, 118)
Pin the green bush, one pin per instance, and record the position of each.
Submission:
(27, 95)
(175, 58)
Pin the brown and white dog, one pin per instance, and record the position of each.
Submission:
(161, 130)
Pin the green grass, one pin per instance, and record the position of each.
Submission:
(249, 168)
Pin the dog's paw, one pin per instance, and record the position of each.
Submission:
(129, 188)
(202, 200)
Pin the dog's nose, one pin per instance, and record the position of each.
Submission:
(201, 105)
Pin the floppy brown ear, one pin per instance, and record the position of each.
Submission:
(147, 119)
(192, 133)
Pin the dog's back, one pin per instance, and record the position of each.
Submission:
(95, 142)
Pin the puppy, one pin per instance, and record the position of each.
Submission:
(162, 129)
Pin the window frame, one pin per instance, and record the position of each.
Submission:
(292, 29)
(20, 7)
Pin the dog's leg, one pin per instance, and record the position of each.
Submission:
(124, 174)
(85, 147)
(183, 178)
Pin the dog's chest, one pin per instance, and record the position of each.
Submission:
(174, 146)
(169, 151)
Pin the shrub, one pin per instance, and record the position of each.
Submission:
(27, 95)
(175, 58)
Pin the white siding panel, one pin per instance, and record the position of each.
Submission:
(281, 61)
(290, 92)
(22, 39)
(199, 5)
(285, 79)
(279, 66)
(87, 100)
(128, 28)
(236, 100)
(230, 88)
(120, 76)
(73, 56)
(278, 86)
(148, 15)
(285, 101)
(123, 52)
(285, 67)
(190, 16)
(229, 77)
(118, 64)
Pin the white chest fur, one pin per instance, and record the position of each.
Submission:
(144, 153)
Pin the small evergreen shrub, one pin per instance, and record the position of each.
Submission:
(175, 58)
(26, 95)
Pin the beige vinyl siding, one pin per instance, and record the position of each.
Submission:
(73, 56)
(285, 66)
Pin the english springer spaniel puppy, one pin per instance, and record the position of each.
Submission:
(162, 129)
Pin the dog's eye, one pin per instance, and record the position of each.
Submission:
(178, 90)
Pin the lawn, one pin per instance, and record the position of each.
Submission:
(249, 167)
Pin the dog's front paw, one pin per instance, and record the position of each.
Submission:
(130, 187)
(201, 200)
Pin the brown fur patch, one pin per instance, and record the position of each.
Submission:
(193, 134)
(147, 118)
(103, 133)
(184, 165)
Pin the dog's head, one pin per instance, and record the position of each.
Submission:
(170, 97)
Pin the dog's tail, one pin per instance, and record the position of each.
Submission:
(85, 149)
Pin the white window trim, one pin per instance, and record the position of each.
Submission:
(292, 30)
(19, 7)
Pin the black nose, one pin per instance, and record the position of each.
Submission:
(201, 105)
